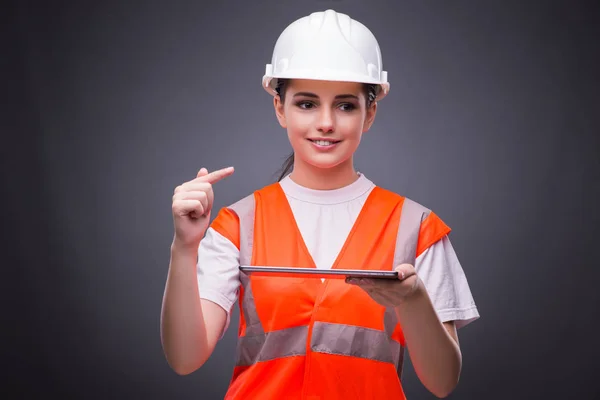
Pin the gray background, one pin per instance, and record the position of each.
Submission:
(492, 121)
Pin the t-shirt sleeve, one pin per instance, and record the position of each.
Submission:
(443, 276)
(218, 263)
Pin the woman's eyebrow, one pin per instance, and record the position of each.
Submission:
(339, 96)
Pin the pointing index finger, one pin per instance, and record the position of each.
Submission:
(216, 176)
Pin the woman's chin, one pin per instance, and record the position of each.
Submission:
(325, 161)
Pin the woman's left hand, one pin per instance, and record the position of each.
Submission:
(388, 292)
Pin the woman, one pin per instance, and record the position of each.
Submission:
(303, 338)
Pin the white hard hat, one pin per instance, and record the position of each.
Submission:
(327, 46)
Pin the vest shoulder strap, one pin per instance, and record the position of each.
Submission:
(244, 209)
(412, 216)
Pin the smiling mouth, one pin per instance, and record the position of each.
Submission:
(321, 142)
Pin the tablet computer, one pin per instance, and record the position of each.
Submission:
(317, 273)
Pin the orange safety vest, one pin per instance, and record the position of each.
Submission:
(302, 338)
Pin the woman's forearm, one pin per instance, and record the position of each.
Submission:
(434, 354)
(182, 332)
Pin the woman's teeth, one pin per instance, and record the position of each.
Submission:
(323, 142)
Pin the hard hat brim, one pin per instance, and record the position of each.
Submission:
(269, 81)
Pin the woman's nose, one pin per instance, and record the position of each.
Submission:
(325, 123)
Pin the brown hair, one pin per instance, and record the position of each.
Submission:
(288, 164)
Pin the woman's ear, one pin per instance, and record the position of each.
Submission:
(278, 104)
(370, 117)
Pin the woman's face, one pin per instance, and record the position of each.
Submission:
(325, 120)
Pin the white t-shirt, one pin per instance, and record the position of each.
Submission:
(325, 218)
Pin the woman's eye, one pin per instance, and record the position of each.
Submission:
(305, 105)
(347, 106)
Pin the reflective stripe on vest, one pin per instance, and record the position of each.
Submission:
(257, 345)
(413, 214)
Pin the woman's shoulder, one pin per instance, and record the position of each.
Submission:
(402, 197)
(428, 216)
(227, 220)
(249, 198)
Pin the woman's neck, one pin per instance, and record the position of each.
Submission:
(316, 178)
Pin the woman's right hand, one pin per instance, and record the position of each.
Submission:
(192, 203)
